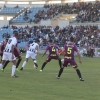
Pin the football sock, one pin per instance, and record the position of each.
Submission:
(1, 66)
(5, 64)
(36, 64)
(43, 65)
(60, 72)
(60, 63)
(24, 63)
(18, 62)
(13, 70)
(79, 73)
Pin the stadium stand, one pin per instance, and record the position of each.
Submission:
(29, 15)
(10, 10)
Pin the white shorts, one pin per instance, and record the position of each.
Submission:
(8, 56)
(31, 54)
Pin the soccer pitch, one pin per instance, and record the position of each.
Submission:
(34, 85)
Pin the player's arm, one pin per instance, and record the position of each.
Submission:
(44, 53)
(12, 51)
(79, 56)
(37, 48)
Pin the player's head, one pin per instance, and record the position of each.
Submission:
(50, 41)
(5, 41)
(71, 39)
(30, 42)
(37, 41)
(15, 33)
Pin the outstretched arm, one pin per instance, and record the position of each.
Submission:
(79, 57)
(44, 53)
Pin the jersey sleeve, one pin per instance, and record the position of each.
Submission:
(47, 48)
(14, 42)
(75, 48)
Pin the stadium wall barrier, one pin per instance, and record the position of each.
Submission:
(63, 23)
(4, 22)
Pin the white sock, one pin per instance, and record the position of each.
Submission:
(24, 63)
(13, 70)
(1, 66)
(62, 60)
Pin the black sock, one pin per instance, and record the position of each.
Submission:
(78, 73)
(6, 63)
(60, 72)
(36, 64)
(43, 65)
(60, 63)
(18, 62)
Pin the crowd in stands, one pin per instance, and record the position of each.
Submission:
(84, 35)
(86, 11)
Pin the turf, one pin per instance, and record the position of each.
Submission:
(34, 85)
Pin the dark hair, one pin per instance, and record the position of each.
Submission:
(6, 39)
(50, 41)
(15, 33)
(37, 40)
(30, 42)
(71, 39)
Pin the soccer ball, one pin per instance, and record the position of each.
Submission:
(35, 66)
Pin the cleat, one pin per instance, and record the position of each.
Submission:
(57, 77)
(17, 70)
(21, 68)
(14, 76)
(41, 70)
(81, 79)
(2, 70)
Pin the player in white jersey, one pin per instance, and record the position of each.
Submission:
(8, 53)
(32, 52)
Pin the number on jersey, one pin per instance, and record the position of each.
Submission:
(69, 50)
(53, 49)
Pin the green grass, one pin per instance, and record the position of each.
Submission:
(34, 85)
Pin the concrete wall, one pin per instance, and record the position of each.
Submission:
(4, 22)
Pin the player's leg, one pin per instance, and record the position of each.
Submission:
(2, 63)
(6, 63)
(65, 63)
(60, 63)
(18, 62)
(35, 63)
(75, 66)
(33, 56)
(24, 63)
(26, 60)
(9, 57)
(4, 58)
(43, 65)
(62, 60)
(13, 69)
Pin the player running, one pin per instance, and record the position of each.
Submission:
(69, 58)
(16, 53)
(8, 53)
(32, 52)
(52, 48)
